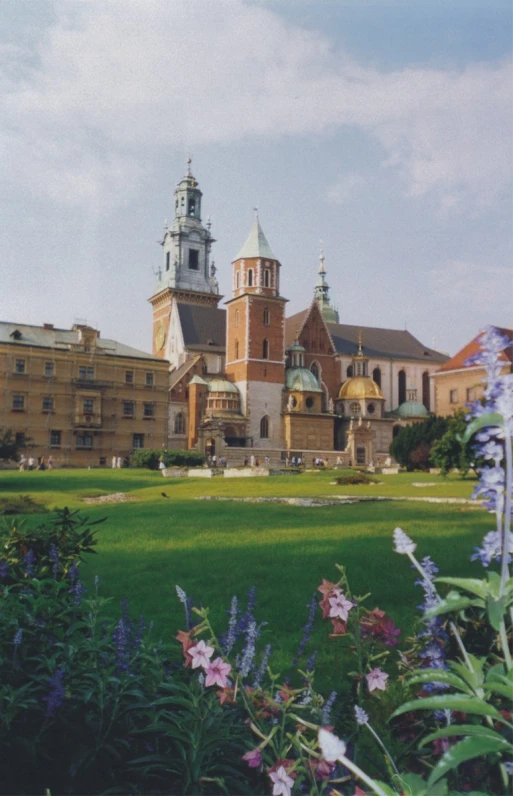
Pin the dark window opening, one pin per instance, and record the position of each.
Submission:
(401, 381)
(267, 278)
(309, 403)
(138, 441)
(376, 375)
(193, 259)
(168, 258)
(349, 372)
(426, 398)
(250, 277)
(264, 428)
(192, 207)
(265, 349)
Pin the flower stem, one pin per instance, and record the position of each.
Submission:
(507, 512)
(378, 739)
(505, 645)
(361, 775)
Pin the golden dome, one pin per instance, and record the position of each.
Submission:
(359, 387)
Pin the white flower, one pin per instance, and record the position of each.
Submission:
(339, 606)
(332, 748)
(282, 782)
(403, 544)
(201, 654)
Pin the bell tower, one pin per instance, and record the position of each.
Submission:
(255, 345)
(186, 273)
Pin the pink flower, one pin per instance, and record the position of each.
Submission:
(200, 654)
(339, 606)
(282, 782)
(253, 758)
(377, 679)
(217, 672)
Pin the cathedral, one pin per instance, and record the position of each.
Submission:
(247, 377)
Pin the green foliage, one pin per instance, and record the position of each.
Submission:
(450, 452)
(23, 504)
(172, 458)
(412, 446)
(354, 478)
(9, 448)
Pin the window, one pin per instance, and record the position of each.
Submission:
(86, 373)
(149, 380)
(192, 207)
(47, 403)
(128, 408)
(129, 376)
(265, 349)
(471, 394)
(349, 372)
(236, 349)
(371, 408)
(314, 368)
(453, 396)
(309, 402)
(354, 408)
(168, 258)
(237, 280)
(18, 403)
(20, 438)
(426, 396)
(88, 406)
(19, 366)
(264, 427)
(267, 278)
(148, 410)
(137, 441)
(179, 423)
(401, 383)
(55, 439)
(250, 277)
(267, 317)
(84, 441)
(236, 317)
(376, 376)
(49, 369)
(193, 259)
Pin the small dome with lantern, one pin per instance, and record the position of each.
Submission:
(360, 396)
(305, 392)
(359, 387)
(411, 407)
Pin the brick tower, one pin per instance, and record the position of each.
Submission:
(255, 345)
(186, 274)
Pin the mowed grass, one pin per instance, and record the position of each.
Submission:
(217, 549)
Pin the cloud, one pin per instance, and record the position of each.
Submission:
(113, 82)
(482, 288)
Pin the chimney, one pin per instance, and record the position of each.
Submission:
(47, 325)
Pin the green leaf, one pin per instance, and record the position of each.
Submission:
(459, 702)
(499, 688)
(454, 602)
(483, 421)
(415, 785)
(474, 730)
(439, 676)
(473, 585)
(467, 749)
(496, 610)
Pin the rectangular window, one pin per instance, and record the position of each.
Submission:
(55, 439)
(86, 373)
(128, 408)
(19, 367)
(138, 441)
(453, 396)
(168, 258)
(194, 259)
(84, 441)
(47, 403)
(471, 394)
(88, 406)
(150, 381)
(49, 369)
(20, 438)
(129, 376)
(18, 403)
(148, 410)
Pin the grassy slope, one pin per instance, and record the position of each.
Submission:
(217, 549)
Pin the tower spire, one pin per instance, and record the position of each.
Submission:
(321, 292)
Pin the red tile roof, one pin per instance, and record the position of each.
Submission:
(458, 360)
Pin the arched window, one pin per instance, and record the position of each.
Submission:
(236, 349)
(264, 427)
(426, 397)
(376, 375)
(401, 383)
(237, 280)
(314, 368)
(250, 277)
(179, 423)
(236, 318)
(349, 372)
(265, 349)
(267, 278)
(267, 317)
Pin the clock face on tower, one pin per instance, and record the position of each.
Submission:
(160, 338)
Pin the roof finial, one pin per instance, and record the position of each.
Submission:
(321, 257)
(255, 210)
(360, 352)
(189, 161)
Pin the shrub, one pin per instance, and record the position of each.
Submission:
(23, 504)
(355, 479)
(173, 458)
(411, 447)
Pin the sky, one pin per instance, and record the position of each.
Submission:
(382, 128)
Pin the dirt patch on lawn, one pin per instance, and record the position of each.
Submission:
(116, 497)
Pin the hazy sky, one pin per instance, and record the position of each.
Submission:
(383, 128)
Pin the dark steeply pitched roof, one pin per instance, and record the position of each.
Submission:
(203, 328)
(386, 343)
(184, 368)
(459, 359)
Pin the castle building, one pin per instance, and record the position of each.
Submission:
(78, 397)
(248, 377)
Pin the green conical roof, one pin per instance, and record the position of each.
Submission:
(256, 244)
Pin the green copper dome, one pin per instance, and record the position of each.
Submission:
(301, 380)
(411, 409)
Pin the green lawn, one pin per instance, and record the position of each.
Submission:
(217, 549)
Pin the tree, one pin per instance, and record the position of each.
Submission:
(412, 446)
(9, 446)
(449, 452)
